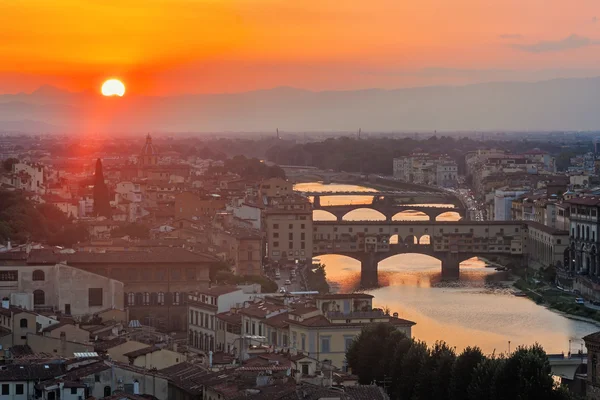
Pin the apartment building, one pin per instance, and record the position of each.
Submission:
(288, 223)
(425, 168)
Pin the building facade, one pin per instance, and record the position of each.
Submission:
(288, 223)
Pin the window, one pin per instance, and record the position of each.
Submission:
(175, 274)
(275, 226)
(161, 298)
(275, 235)
(302, 236)
(23, 323)
(5, 389)
(73, 390)
(9, 276)
(302, 226)
(290, 236)
(95, 297)
(190, 274)
(304, 369)
(176, 298)
(303, 342)
(130, 298)
(302, 245)
(325, 345)
(247, 329)
(291, 226)
(253, 328)
(19, 388)
(290, 245)
(39, 298)
(348, 342)
(38, 275)
(275, 244)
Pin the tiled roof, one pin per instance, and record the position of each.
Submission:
(318, 320)
(109, 344)
(57, 326)
(401, 322)
(218, 290)
(345, 296)
(585, 201)
(155, 255)
(142, 351)
(25, 372)
(278, 321)
(260, 309)
(230, 317)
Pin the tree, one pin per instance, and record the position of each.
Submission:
(480, 387)
(367, 353)
(434, 375)
(101, 198)
(414, 360)
(462, 372)
(8, 164)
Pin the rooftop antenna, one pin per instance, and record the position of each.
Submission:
(359, 130)
(278, 137)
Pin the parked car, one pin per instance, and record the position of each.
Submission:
(288, 282)
(579, 300)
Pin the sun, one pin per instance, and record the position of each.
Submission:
(113, 87)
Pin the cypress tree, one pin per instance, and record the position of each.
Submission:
(101, 200)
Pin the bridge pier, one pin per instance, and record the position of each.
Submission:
(450, 267)
(368, 270)
(316, 201)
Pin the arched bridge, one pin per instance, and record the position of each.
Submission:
(449, 242)
(389, 211)
(387, 203)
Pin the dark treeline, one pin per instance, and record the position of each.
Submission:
(413, 371)
(247, 168)
(21, 221)
(375, 155)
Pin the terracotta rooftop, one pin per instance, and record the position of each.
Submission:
(155, 255)
(260, 309)
(230, 317)
(345, 296)
(278, 321)
(218, 290)
(142, 352)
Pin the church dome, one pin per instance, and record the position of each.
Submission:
(149, 149)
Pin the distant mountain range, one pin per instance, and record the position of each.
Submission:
(561, 104)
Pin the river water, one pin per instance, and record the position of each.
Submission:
(478, 309)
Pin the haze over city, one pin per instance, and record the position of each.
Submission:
(284, 200)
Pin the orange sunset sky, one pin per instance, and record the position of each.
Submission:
(163, 47)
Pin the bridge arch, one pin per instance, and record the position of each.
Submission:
(322, 215)
(448, 216)
(425, 239)
(410, 215)
(364, 214)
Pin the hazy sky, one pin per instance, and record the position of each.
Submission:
(195, 46)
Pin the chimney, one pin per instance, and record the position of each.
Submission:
(395, 315)
(5, 303)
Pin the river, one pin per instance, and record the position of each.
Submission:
(477, 309)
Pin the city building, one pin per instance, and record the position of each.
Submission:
(584, 230)
(425, 168)
(503, 203)
(156, 281)
(547, 246)
(59, 287)
(190, 205)
(288, 225)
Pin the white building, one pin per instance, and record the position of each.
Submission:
(425, 168)
(503, 203)
(250, 213)
(59, 287)
(28, 177)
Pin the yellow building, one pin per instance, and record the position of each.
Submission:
(288, 223)
(327, 335)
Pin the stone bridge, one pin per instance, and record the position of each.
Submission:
(389, 211)
(390, 203)
(449, 242)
